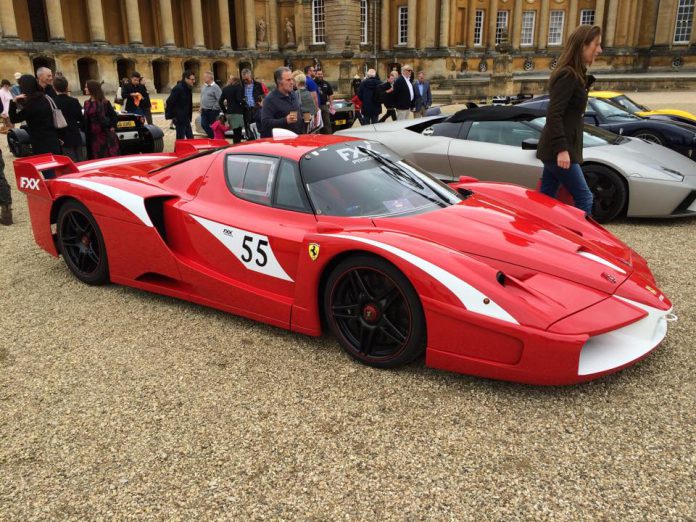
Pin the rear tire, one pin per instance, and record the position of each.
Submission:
(374, 312)
(608, 190)
(81, 243)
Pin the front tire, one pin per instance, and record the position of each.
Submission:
(81, 242)
(608, 190)
(374, 312)
(651, 136)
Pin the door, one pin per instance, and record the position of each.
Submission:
(242, 236)
(492, 151)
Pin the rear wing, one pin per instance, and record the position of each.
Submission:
(30, 172)
(188, 147)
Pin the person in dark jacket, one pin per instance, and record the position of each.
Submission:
(281, 107)
(100, 120)
(232, 105)
(405, 93)
(560, 145)
(369, 96)
(44, 76)
(32, 107)
(135, 96)
(5, 196)
(72, 112)
(179, 106)
(388, 97)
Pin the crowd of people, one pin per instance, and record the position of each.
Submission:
(301, 102)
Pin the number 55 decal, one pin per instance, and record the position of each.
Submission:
(261, 258)
(253, 250)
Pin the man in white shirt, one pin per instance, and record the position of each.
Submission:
(405, 95)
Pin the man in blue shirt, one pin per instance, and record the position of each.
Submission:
(311, 85)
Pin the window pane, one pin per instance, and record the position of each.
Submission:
(318, 21)
(556, 27)
(251, 177)
(528, 20)
(363, 21)
(478, 27)
(511, 133)
(501, 25)
(587, 17)
(288, 189)
(685, 17)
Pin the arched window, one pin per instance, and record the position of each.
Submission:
(318, 22)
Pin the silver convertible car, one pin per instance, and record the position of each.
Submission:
(628, 176)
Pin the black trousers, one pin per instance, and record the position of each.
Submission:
(5, 193)
(390, 112)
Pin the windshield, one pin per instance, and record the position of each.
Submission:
(609, 111)
(629, 104)
(365, 179)
(591, 137)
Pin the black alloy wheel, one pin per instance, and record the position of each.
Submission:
(81, 242)
(608, 190)
(651, 136)
(374, 312)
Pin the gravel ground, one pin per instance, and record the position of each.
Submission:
(118, 404)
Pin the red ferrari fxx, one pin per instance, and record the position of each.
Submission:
(488, 279)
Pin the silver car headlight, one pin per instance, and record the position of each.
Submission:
(658, 172)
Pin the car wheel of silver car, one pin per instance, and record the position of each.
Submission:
(81, 242)
(651, 136)
(374, 312)
(608, 190)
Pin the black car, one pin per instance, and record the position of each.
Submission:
(680, 137)
(344, 116)
(134, 135)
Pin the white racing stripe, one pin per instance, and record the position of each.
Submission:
(601, 261)
(134, 203)
(470, 297)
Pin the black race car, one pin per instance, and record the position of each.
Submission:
(344, 116)
(680, 137)
(134, 134)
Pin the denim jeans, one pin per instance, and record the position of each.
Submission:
(183, 130)
(208, 116)
(572, 179)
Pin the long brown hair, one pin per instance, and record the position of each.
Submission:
(95, 90)
(572, 54)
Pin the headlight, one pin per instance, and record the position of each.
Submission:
(658, 172)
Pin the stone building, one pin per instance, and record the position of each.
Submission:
(108, 39)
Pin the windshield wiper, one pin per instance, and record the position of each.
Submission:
(392, 167)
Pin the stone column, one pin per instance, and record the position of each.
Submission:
(543, 39)
(664, 33)
(54, 14)
(197, 16)
(386, 25)
(135, 36)
(273, 25)
(600, 8)
(250, 24)
(444, 23)
(516, 25)
(225, 36)
(492, 20)
(412, 15)
(572, 21)
(300, 15)
(7, 17)
(430, 19)
(167, 23)
(96, 22)
(610, 30)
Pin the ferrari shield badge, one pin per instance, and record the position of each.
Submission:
(313, 251)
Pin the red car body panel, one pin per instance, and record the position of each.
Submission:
(172, 227)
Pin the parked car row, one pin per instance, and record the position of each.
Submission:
(635, 166)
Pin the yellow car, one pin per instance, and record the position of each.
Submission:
(624, 101)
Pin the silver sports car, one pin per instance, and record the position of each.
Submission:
(628, 176)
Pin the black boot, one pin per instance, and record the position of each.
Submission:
(5, 214)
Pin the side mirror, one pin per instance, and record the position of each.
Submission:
(467, 179)
(530, 144)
